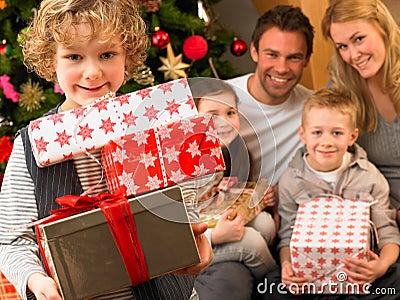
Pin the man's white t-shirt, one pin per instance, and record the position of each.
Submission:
(269, 131)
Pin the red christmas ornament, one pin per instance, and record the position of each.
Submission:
(195, 47)
(3, 47)
(160, 39)
(238, 47)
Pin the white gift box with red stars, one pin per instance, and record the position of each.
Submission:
(326, 230)
(59, 137)
(162, 156)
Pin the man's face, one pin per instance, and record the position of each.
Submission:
(281, 59)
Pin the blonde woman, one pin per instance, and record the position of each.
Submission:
(366, 65)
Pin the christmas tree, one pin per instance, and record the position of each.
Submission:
(187, 41)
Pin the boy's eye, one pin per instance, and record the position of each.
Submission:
(107, 55)
(336, 133)
(74, 57)
(316, 132)
(231, 113)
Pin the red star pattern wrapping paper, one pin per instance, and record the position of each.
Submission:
(162, 156)
(59, 137)
(326, 230)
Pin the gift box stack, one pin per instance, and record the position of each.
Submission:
(326, 230)
(83, 251)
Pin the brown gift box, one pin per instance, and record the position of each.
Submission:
(85, 262)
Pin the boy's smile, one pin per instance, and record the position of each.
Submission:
(89, 67)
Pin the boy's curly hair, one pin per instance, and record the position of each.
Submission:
(106, 18)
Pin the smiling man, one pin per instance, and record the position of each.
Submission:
(271, 98)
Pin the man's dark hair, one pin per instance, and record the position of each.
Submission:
(286, 18)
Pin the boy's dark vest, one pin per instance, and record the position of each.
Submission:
(61, 179)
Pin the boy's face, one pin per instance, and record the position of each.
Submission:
(89, 69)
(327, 134)
(226, 117)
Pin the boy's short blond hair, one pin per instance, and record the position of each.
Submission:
(334, 99)
(106, 18)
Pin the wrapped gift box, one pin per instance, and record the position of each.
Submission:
(326, 230)
(82, 256)
(7, 290)
(162, 156)
(58, 137)
(239, 196)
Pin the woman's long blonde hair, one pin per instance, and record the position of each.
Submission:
(345, 77)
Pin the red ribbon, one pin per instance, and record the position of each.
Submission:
(119, 218)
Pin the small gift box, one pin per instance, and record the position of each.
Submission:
(162, 156)
(245, 197)
(326, 230)
(104, 249)
(58, 137)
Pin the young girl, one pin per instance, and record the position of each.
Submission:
(89, 47)
(366, 65)
(231, 240)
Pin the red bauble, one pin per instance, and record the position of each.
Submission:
(160, 39)
(238, 47)
(195, 47)
(3, 47)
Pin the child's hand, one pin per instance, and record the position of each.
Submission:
(43, 287)
(228, 230)
(205, 251)
(293, 284)
(270, 198)
(361, 271)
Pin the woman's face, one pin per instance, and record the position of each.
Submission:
(360, 45)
